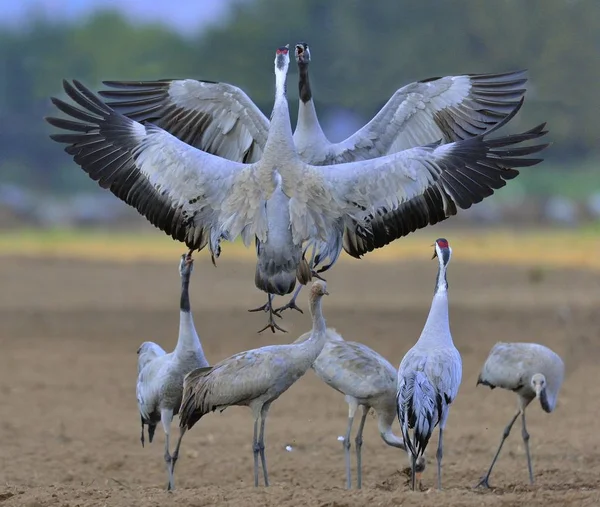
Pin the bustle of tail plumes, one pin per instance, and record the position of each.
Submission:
(277, 275)
(151, 430)
(193, 404)
(419, 407)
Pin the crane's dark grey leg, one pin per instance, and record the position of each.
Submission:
(255, 451)
(175, 455)
(166, 416)
(485, 480)
(346, 443)
(525, 436)
(261, 442)
(439, 455)
(413, 470)
(359, 441)
(291, 305)
(268, 307)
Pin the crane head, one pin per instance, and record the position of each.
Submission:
(186, 265)
(302, 53)
(282, 57)
(442, 250)
(318, 289)
(538, 383)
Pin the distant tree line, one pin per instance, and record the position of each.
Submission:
(362, 51)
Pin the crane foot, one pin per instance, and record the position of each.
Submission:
(483, 483)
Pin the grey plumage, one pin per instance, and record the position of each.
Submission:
(160, 375)
(221, 119)
(281, 202)
(532, 371)
(367, 380)
(255, 378)
(430, 374)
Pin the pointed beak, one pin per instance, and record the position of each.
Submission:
(434, 254)
(326, 293)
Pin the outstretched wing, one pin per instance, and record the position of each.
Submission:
(214, 117)
(185, 192)
(449, 108)
(437, 178)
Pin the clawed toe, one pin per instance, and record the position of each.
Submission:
(483, 483)
(272, 326)
(290, 306)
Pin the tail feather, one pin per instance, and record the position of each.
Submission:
(418, 409)
(190, 411)
(151, 430)
(276, 274)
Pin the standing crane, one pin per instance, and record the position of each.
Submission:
(160, 375)
(532, 371)
(255, 379)
(367, 380)
(430, 373)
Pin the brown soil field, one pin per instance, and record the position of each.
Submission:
(69, 425)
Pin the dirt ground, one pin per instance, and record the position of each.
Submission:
(69, 426)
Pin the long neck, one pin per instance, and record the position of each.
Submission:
(310, 349)
(437, 326)
(319, 324)
(384, 424)
(547, 402)
(188, 339)
(308, 126)
(280, 142)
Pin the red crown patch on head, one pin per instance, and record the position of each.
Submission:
(442, 243)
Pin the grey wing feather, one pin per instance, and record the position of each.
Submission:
(235, 380)
(150, 380)
(355, 369)
(147, 352)
(449, 109)
(218, 118)
(459, 174)
(183, 191)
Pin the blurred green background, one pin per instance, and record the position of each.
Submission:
(362, 51)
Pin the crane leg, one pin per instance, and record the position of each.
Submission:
(261, 442)
(268, 307)
(346, 443)
(359, 441)
(291, 305)
(413, 470)
(485, 480)
(142, 438)
(439, 454)
(255, 451)
(175, 455)
(166, 416)
(525, 436)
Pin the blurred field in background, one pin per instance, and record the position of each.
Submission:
(535, 247)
